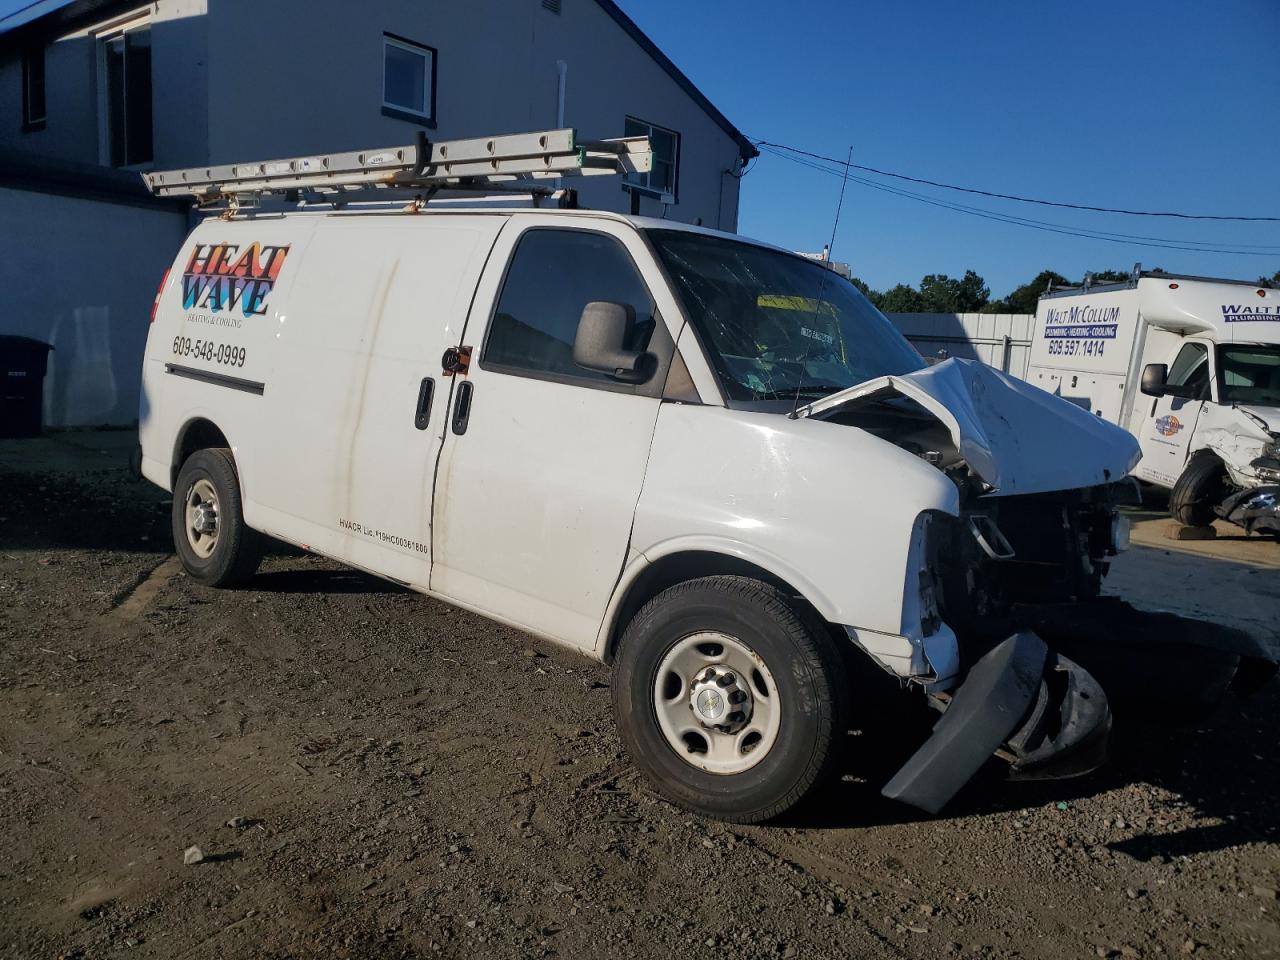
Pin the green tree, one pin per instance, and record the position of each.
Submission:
(866, 290)
(943, 294)
(1112, 276)
(902, 299)
(1025, 298)
(1275, 277)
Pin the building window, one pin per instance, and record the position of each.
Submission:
(126, 72)
(408, 80)
(33, 89)
(663, 180)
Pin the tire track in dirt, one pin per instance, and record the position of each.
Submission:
(131, 601)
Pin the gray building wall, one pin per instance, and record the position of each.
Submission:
(81, 274)
(496, 73)
(71, 90)
(250, 80)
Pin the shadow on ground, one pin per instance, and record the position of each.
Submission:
(99, 511)
(320, 581)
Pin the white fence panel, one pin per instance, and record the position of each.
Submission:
(1001, 340)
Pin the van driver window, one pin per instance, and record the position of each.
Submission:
(1191, 369)
(553, 274)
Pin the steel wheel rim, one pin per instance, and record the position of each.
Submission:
(725, 749)
(201, 516)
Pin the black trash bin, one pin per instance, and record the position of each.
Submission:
(23, 364)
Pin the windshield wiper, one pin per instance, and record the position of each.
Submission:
(804, 389)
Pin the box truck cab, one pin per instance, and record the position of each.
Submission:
(1191, 367)
(704, 460)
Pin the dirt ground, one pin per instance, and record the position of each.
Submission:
(369, 773)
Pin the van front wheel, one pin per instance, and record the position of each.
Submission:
(1201, 487)
(209, 532)
(731, 698)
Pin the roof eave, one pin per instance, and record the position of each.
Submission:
(746, 148)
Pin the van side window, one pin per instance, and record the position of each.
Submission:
(1191, 369)
(553, 274)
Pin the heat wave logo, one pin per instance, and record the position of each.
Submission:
(227, 276)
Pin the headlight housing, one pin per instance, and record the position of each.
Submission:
(920, 614)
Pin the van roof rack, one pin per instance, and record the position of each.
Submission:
(485, 164)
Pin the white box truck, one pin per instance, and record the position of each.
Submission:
(707, 461)
(1191, 367)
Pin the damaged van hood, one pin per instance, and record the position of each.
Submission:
(1016, 437)
(1268, 418)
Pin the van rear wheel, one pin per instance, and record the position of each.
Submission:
(209, 532)
(731, 698)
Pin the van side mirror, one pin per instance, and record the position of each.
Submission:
(600, 343)
(1154, 376)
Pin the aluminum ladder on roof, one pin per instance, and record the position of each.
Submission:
(481, 163)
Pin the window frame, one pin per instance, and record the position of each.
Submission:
(1209, 391)
(642, 187)
(102, 35)
(1219, 361)
(31, 55)
(661, 344)
(398, 111)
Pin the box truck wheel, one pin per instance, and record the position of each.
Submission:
(731, 698)
(209, 532)
(1200, 488)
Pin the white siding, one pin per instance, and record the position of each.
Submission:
(82, 274)
(1001, 340)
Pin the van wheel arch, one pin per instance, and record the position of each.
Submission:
(688, 565)
(198, 433)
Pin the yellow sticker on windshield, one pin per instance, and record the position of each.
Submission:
(778, 301)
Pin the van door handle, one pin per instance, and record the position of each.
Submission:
(422, 413)
(462, 407)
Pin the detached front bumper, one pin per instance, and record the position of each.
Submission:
(1256, 509)
(1044, 714)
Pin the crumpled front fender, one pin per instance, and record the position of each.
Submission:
(1257, 510)
(1038, 709)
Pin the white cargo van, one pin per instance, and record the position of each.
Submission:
(1191, 367)
(704, 460)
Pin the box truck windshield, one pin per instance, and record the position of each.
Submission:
(776, 325)
(1250, 374)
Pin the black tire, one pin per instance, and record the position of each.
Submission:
(236, 550)
(1200, 488)
(807, 668)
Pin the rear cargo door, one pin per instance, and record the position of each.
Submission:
(359, 409)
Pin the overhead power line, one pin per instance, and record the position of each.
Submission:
(1160, 243)
(1010, 196)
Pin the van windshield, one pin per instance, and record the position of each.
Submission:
(776, 325)
(1250, 374)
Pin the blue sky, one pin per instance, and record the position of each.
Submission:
(1171, 105)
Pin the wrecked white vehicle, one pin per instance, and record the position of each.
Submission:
(1191, 367)
(706, 461)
